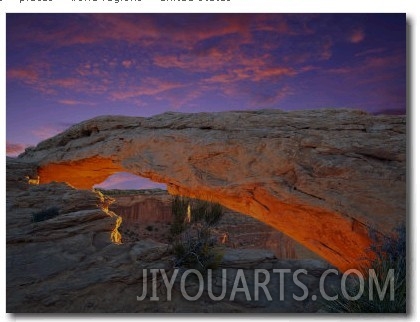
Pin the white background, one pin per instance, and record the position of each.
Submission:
(279, 6)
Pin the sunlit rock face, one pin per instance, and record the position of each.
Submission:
(320, 176)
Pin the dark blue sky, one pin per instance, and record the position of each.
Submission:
(65, 68)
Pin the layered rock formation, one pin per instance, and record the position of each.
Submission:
(148, 214)
(143, 207)
(321, 177)
(68, 263)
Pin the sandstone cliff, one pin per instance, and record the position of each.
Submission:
(321, 177)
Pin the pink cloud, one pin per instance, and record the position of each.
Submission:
(369, 65)
(93, 29)
(215, 61)
(308, 68)
(287, 24)
(277, 25)
(41, 80)
(225, 62)
(221, 78)
(147, 30)
(127, 63)
(224, 59)
(212, 60)
(123, 27)
(144, 29)
(318, 50)
(279, 95)
(383, 61)
(31, 73)
(273, 72)
(68, 82)
(74, 102)
(259, 98)
(151, 86)
(357, 36)
(180, 99)
(370, 52)
(255, 74)
(326, 49)
(14, 149)
(77, 84)
(26, 75)
(88, 69)
(228, 82)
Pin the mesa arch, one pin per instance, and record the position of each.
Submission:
(320, 176)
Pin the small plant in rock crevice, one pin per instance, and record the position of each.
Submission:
(389, 256)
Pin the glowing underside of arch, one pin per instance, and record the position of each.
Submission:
(334, 237)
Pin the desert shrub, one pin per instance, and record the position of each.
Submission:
(45, 214)
(193, 243)
(149, 228)
(389, 253)
(196, 248)
(179, 210)
(210, 213)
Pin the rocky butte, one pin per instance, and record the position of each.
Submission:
(323, 177)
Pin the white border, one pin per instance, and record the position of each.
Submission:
(173, 6)
(243, 6)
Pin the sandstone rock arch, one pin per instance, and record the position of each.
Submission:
(320, 176)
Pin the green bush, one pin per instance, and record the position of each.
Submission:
(179, 210)
(389, 253)
(193, 243)
(45, 214)
(196, 248)
(210, 213)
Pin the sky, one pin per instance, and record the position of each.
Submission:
(62, 69)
